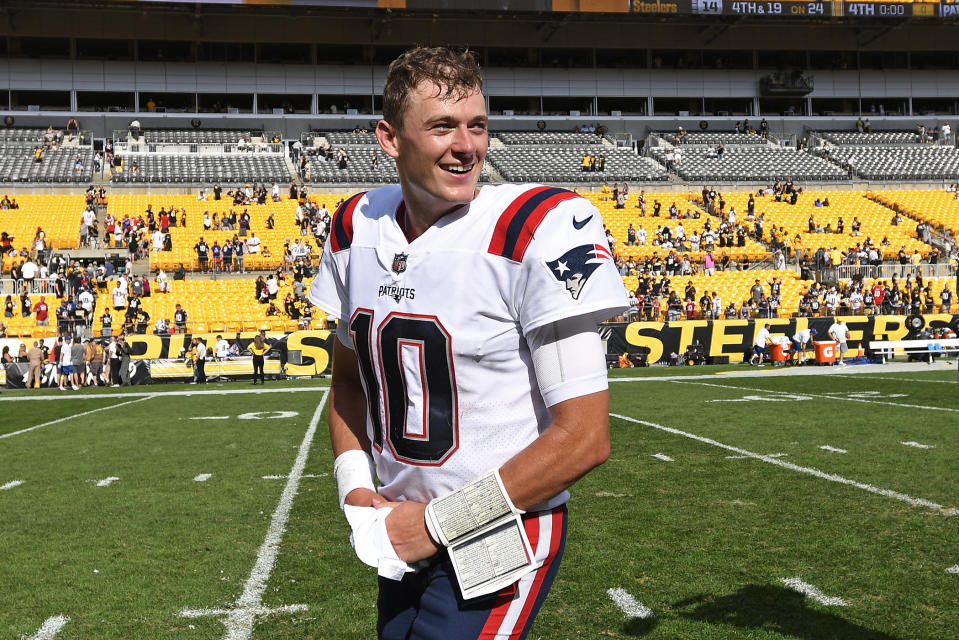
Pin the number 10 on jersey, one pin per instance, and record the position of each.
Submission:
(406, 363)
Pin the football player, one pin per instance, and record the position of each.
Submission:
(469, 381)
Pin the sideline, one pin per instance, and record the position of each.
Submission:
(162, 394)
(832, 477)
(77, 415)
(811, 370)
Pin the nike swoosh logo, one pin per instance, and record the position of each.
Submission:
(579, 224)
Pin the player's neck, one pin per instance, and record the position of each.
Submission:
(416, 215)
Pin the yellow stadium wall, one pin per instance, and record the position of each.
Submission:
(733, 338)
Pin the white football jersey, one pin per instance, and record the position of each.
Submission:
(438, 324)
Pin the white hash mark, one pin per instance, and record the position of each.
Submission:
(826, 447)
(203, 477)
(106, 482)
(50, 628)
(11, 485)
(808, 590)
(629, 605)
(663, 457)
(918, 446)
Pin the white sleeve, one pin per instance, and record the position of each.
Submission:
(568, 270)
(328, 290)
(568, 359)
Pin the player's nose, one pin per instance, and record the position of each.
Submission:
(463, 142)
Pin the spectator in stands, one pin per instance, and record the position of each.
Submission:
(179, 319)
(202, 250)
(253, 244)
(136, 129)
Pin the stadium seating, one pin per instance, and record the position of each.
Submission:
(556, 163)
(184, 238)
(212, 305)
(871, 138)
(618, 221)
(197, 136)
(734, 286)
(58, 215)
(226, 305)
(360, 169)
(939, 208)
(350, 138)
(537, 138)
(17, 164)
(713, 139)
(874, 217)
(919, 162)
(752, 163)
(202, 168)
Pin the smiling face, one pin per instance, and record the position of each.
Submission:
(439, 147)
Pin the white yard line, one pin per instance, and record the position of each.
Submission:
(259, 611)
(663, 457)
(826, 447)
(786, 372)
(106, 482)
(813, 593)
(305, 475)
(832, 477)
(203, 477)
(869, 377)
(11, 485)
(629, 605)
(240, 619)
(820, 395)
(768, 455)
(50, 628)
(912, 443)
(148, 394)
(74, 416)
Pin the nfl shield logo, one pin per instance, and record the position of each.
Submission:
(399, 263)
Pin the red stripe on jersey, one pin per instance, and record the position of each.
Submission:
(516, 225)
(556, 537)
(341, 236)
(493, 627)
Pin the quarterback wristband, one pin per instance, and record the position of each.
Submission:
(353, 469)
(468, 509)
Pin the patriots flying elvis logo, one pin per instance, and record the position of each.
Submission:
(574, 267)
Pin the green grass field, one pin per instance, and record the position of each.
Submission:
(717, 491)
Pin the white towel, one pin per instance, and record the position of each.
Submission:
(372, 543)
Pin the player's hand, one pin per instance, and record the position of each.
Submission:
(364, 498)
(406, 526)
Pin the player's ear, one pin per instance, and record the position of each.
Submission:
(386, 135)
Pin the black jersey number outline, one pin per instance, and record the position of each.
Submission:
(386, 385)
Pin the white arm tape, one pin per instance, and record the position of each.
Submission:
(568, 358)
(469, 508)
(353, 469)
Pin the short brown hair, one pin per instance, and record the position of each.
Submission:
(454, 72)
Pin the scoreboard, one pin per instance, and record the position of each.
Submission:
(847, 9)
(799, 8)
